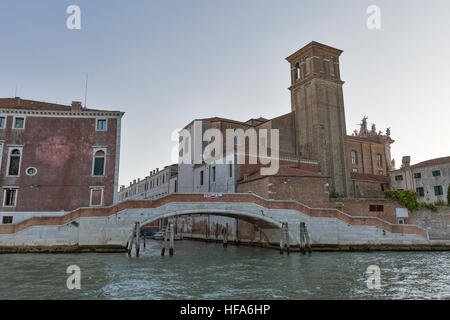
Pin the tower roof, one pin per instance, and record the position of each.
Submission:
(311, 47)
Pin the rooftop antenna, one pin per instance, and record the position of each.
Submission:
(85, 90)
(15, 92)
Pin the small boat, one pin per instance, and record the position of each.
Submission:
(160, 236)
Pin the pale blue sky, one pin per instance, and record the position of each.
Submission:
(167, 62)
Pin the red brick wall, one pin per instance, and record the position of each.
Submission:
(303, 189)
(366, 157)
(367, 189)
(61, 149)
(361, 208)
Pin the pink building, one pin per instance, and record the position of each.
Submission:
(56, 157)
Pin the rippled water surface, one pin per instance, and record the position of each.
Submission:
(207, 271)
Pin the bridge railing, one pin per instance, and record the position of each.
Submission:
(200, 197)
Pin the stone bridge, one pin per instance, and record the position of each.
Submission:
(108, 228)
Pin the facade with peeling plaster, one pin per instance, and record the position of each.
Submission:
(56, 158)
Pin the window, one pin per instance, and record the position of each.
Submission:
(401, 221)
(201, 177)
(99, 163)
(332, 68)
(230, 170)
(376, 207)
(417, 175)
(96, 196)
(19, 123)
(101, 125)
(436, 173)
(379, 160)
(2, 122)
(438, 191)
(31, 171)
(355, 170)
(382, 187)
(10, 197)
(176, 186)
(7, 220)
(399, 178)
(15, 155)
(354, 157)
(297, 71)
(213, 174)
(420, 191)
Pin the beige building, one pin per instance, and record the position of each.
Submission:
(430, 179)
(154, 186)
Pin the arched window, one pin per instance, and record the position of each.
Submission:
(297, 71)
(354, 157)
(14, 162)
(99, 163)
(379, 160)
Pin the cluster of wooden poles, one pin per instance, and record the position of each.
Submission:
(305, 242)
(169, 236)
(135, 238)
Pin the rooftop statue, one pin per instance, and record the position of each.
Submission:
(363, 130)
(374, 129)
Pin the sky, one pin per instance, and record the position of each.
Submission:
(167, 62)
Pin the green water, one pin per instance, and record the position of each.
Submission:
(207, 271)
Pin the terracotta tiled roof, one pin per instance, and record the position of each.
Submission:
(23, 104)
(369, 177)
(285, 171)
(432, 162)
(217, 119)
(260, 119)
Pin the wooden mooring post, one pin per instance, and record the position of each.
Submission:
(217, 232)
(145, 237)
(225, 236)
(163, 248)
(284, 238)
(305, 241)
(130, 241)
(171, 230)
(138, 236)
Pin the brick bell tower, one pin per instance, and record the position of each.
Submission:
(318, 104)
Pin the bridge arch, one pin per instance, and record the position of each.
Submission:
(270, 226)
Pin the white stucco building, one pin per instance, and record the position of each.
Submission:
(430, 179)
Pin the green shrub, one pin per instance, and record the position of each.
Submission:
(408, 198)
(334, 194)
(430, 206)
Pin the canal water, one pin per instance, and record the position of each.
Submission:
(207, 271)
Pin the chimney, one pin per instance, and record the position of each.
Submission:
(76, 106)
(17, 101)
(406, 162)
